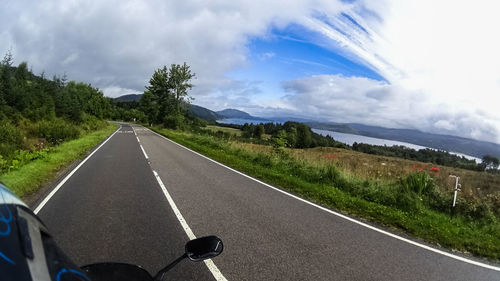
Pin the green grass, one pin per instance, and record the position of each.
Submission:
(384, 203)
(28, 178)
(224, 129)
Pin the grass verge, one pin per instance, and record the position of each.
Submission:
(28, 178)
(363, 198)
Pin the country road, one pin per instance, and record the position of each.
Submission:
(113, 208)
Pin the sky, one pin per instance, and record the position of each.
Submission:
(427, 65)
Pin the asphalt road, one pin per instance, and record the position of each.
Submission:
(113, 209)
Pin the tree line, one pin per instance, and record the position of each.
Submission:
(36, 112)
(289, 134)
(299, 135)
(438, 157)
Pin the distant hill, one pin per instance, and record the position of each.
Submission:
(234, 113)
(470, 147)
(129, 97)
(204, 113)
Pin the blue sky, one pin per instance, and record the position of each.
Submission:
(393, 63)
(289, 54)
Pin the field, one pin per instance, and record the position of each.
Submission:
(475, 185)
(232, 131)
(367, 166)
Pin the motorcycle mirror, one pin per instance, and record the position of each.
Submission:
(196, 250)
(115, 272)
(204, 248)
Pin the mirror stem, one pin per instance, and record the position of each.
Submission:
(159, 275)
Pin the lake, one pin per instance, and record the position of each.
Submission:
(241, 121)
(350, 139)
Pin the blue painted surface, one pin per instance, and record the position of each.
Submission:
(70, 271)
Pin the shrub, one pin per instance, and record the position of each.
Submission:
(3, 164)
(420, 183)
(11, 138)
(92, 123)
(173, 121)
(474, 209)
(332, 174)
(263, 160)
(55, 131)
(494, 201)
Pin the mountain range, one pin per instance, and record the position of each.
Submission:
(470, 147)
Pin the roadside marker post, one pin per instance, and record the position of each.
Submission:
(457, 189)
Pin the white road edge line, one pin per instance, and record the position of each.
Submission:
(40, 206)
(496, 268)
(209, 263)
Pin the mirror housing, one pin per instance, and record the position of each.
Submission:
(203, 248)
(116, 272)
(198, 249)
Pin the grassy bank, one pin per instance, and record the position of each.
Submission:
(475, 185)
(29, 177)
(412, 204)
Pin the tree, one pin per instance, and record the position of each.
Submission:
(5, 81)
(179, 78)
(166, 93)
(491, 162)
(291, 136)
(160, 93)
(258, 131)
(304, 138)
(150, 106)
(7, 59)
(279, 140)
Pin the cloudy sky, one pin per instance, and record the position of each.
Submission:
(428, 65)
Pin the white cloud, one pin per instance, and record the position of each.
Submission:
(70, 59)
(116, 91)
(445, 125)
(266, 56)
(337, 98)
(447, 50)
(122, 42)
(439, 57)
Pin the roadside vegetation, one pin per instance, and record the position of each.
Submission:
(39, 168)
(45, 124)
(412, 202)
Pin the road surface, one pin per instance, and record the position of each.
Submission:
(113, 209)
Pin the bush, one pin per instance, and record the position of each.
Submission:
(92, 123)
(494, 201)
(173, 121)
(474, 209)
(11, 138)
(20, 158)
(420, 183)
(55, 131)
(332, 174)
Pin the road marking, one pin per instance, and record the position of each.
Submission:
(496, 268)
(143, 151)
(142, 148)
(40, 206)
(209, 263)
